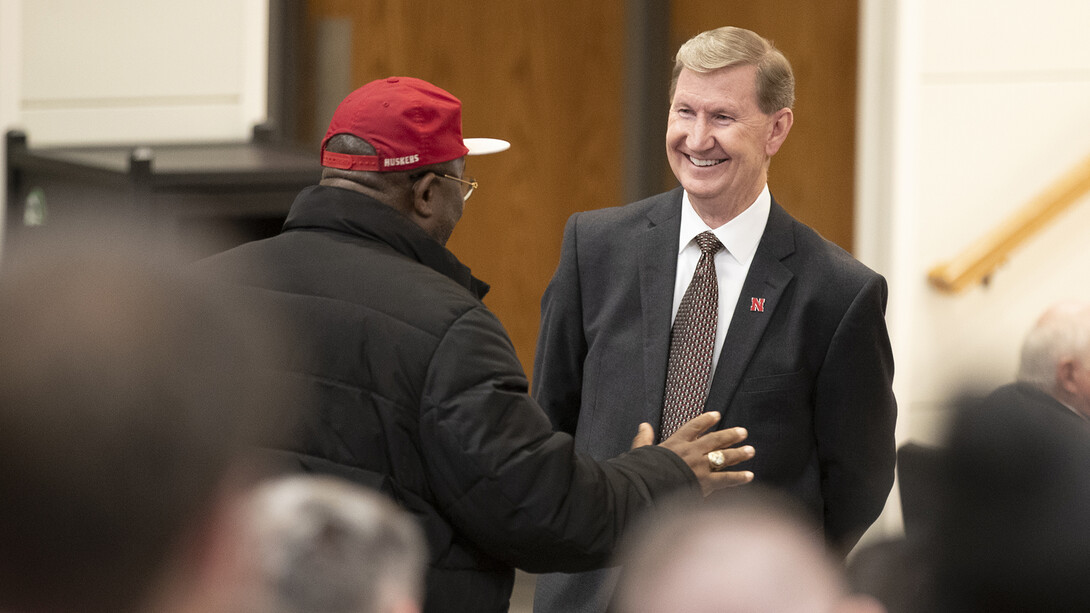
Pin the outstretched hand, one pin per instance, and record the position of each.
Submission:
(692, 445)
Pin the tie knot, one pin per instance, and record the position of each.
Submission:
(708, 243)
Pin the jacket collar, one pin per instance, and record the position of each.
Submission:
(333, 209)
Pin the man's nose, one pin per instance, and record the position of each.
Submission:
(699, 137)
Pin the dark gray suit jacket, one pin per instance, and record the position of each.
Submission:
(1029, 398)
(806, 366)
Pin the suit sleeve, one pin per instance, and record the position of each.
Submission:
(561, 343)
(507, 481)
(855, 415)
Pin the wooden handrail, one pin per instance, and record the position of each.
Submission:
(978, 261)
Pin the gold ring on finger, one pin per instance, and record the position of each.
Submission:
(716, 460)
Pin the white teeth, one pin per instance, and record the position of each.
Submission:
(700, 162)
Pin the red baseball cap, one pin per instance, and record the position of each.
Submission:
(410, 122)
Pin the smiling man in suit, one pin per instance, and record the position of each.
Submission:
(779, 330)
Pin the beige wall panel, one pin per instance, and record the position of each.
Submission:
(148, 71)
(1001, 40)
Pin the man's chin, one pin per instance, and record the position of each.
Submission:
(699, 189)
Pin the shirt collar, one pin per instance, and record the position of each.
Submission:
(739, 236)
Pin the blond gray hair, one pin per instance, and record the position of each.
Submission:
(730, 46)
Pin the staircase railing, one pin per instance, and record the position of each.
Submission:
(976, 263)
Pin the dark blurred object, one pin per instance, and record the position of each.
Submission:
(130, 399)
(917, 477)
(896, 572)
(995, 518)
(1013, 532)
(224, 193)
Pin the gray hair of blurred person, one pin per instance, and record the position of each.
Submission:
(730, 46)
(323, 544)
(1061, 333)
(752, 551)
(127, 402)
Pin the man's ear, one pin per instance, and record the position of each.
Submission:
(782, 120)
(424, 196)
(1065, 376)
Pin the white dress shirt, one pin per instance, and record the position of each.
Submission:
(740, 237)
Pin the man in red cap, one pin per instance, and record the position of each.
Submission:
(411, 384)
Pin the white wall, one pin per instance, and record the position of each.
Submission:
(132, 71)
(10, 65)
(968, 109)
(148, 71)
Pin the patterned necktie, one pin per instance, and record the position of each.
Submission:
(692, 341)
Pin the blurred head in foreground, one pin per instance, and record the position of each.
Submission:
(127, 402)
(748, 552)
(323, 544)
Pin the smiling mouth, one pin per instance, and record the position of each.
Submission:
(703, 163)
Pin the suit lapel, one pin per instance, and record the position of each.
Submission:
(767, 279)
(658, 266)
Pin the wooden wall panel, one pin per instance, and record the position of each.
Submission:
(813, 174)
(546, 76)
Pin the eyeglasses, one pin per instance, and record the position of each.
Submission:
(471, 183)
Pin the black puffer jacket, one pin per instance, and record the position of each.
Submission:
(414, 388)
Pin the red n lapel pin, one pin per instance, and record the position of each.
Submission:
(757, 304)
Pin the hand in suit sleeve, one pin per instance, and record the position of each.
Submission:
(562, 346)
(513, 487)
(854, 418)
